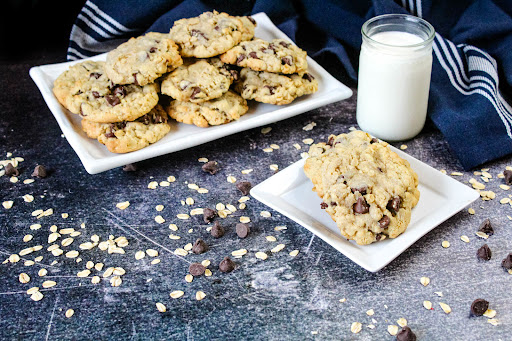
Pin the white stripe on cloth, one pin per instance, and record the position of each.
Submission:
(74, 54)
(94, 27)
(419, 9)
(102, 23)
(107, 17)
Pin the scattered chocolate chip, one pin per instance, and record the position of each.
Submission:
(508, 177)
(405, 334)
(217, 230)
(479, 307)
(10, 170)
(253, 54)
(242, 230)
(507, 262)
(196, 269)
(211, 167)
(484, 252)
(286, 61)
(199, 247)
(226, 265)
(240, 58)
(195, 90)
(208, 215)
(40, 172)
(384, 222)
(361, 206)
(131, 167)
(361, 189)
(244, 187)
(486, 227)
(394, 205)
(323, 205)
(112, 100)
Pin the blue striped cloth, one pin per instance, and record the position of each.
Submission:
(471, 73)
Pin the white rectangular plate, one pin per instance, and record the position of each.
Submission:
(289, 192)
(96, 158)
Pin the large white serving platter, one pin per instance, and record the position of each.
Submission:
(289, 192)
(96, 158)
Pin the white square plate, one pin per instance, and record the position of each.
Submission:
(96, 158)
(289, 192)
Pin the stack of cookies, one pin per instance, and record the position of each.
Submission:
(200, 73)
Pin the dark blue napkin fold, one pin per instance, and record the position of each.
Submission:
(472, 68)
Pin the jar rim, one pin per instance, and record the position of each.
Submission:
(406, 19)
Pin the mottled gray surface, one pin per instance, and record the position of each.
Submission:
(282, 298)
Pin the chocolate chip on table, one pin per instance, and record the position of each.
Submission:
(507, 262)
(226, 265)
(394, 205)
(508, 177)
(384, 222)
(486, 227)
(479, 307)
(405, 334)
(217, 230)
(131, 167)
(361, 206)
(40, 171)
(244, 187)
(196, 269)
(242, 230)
(208, 215)
(211, 167)
(484, 252)
(10, 170)
(199, 247)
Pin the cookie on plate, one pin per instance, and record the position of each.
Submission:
(227, 108)
(207, 35)
(366, 188)
(125, 137)
(142, 60)
(86, 90)
(248, 26)
(274, 88)
(278, 55)
(198, 80)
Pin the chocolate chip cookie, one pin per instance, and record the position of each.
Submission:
(125, 137)
(248, 26)
(142, 60)
(274, 88)
(366, 188)
(207, 35)
(278, 55)
(199, 81)
(227, 108)
(86, 90)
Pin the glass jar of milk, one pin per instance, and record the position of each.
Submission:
(394, 76)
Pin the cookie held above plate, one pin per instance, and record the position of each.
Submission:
(367, 189)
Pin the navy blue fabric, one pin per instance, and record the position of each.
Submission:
(472, 68)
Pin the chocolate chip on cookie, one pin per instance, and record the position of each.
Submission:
(484, 252)
(226, 265)
(486, 227)
(217, 230)
(208, 215)
(244, 187)
(361, 206)
(479, 307)
(196, 269)
(211, 167)
(242, 230)
(199, 247)
(406, 334)
(10, 170)
(40, 172)
(507, 262)
(384, 222)
(508, 177)
(394, 205)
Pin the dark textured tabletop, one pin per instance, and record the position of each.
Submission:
(316, 295)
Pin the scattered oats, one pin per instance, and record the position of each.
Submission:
(152, 252)
(308, 141)
(445, 244)
(86, 246)
(7, 204)
(29, 263)
(274, 146)
(304, 155)
(37, 247)
(278, 248)
(171, 178)
(268, 150)
(342, 300)
(446, 308)
(26, 251)
(371, 326)
(32, 290)
(36, 296)
(486, 174)
(247, 171)
(188, 247)
(370, 312)
(28, 198)
(504, 187)
(280, 228)
(84, 273)
(481, 235)
(239, 253)
(108, 272)
(159, 219)
(200, 295)
(36, 213)
(155, 261)
(95, 238)
(118, 271)
(464, 238)
(274, 167)
(402, 322)
(223, 213)
(425, 281)
(245, 220)
(294, 253)
(28, 181)
(509, 217)
(261, 255)
(297, 146)
(456, 173)
(242, 206)
(220, 207)
(314, 332)
(72, 254)
(153, 185)
(471, 211)
(265, 214)
(443, 171)
(427, 305)
(266, 130)
(231, 179)
(478, 185)
(202, 191)
(67, 230)
(189, 201)
(24, 278)
(189, 278)
(244, 199)
(490, 313)
(494, 322)
(180, 252)
(164, 183)
(13, 179)
(183, 216)
(309, 126)
(356, 327)
(116, 281)
(173, 227)
(35, 226)
(95, 279)
(89, 264)
(392, 329)
(140, 255)
(202, 159)
(42, 272)
(271, 238)
(161, 307)
(123, 205)
(67, 241)
(231, 208)
(487, 195)
(64, 215)
(27, 238)
(403, 147)
(505, 201)
(48, 284)
(174, 237)
(176, 294)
